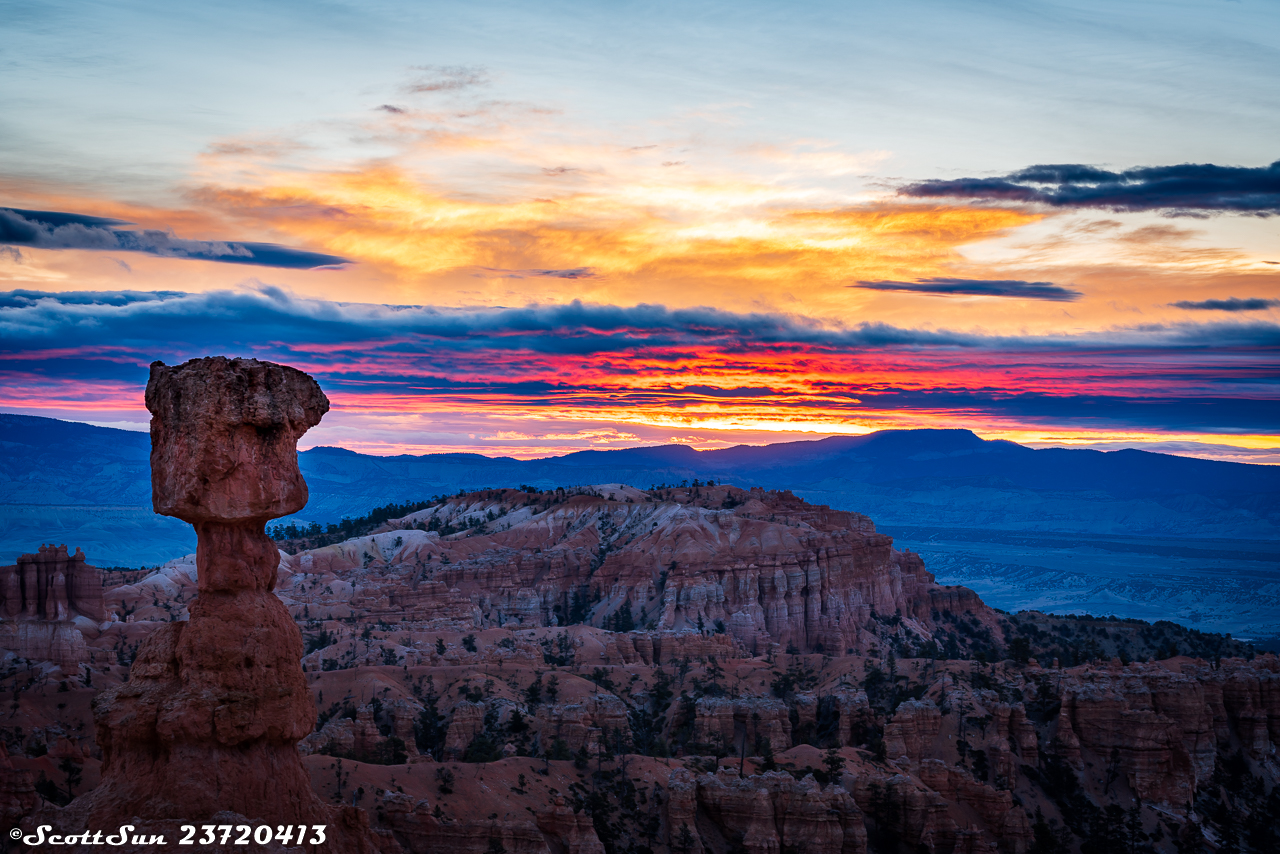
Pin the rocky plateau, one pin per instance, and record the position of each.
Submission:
(691, 669)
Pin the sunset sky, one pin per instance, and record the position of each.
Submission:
(531, 228)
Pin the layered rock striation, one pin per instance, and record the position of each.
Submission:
(44, 599)
(52, 585)
(1164, 728)
(764, 567)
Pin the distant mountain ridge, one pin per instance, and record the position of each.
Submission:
(940, 491)
(891, 455)
(47, 461)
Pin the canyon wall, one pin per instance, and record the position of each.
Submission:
(45, 599)
(764, 567)
(51, 585)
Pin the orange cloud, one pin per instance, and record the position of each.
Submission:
(636, 245)
(498, 203)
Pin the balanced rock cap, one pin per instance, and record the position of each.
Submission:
(224, 436)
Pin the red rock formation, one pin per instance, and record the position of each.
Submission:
(210, 718)
(40, 597)
(1163, 726)
(745, 722)
(51, 585)
(467, 722)
(911, 732)
(766, 568)
(1013, 728)
(17, 792)
(682, 813)
(855, 714)
(772, 812)
(1003, 820)
(573, 830)
(1250, 701)
(344, 736)
(580, 724)
(917, 814)
(39, 640)
(665, 647)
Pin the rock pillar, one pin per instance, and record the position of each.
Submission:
(51, 585)
(213, 710)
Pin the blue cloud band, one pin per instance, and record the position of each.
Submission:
(1228, 304)
(1186, 189)
(944, 286)
(58, 230)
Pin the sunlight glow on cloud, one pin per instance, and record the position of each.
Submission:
(462, 270)
(634, 241)
(623, 373)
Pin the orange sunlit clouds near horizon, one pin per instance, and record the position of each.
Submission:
(494, 277)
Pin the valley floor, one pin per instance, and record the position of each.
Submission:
(1217, 585)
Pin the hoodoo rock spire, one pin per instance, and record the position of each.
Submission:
(210, 718)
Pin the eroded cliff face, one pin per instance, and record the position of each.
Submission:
(17, 791)
(616, 671)
(47, 600)
(773, 812)
(777, 756)
(51, 584)
(764, 567)
(1164, 728)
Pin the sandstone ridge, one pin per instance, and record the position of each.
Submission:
(680, 670)
(764, 567)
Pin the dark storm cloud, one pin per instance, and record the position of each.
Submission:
(1228, 304)
(943, 286)
(60, 230)
(1187, 189)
